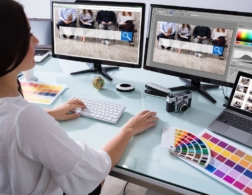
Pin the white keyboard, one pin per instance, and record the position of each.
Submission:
(100, 110)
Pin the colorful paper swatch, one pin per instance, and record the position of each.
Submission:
(190, 147)
(41, 93)
(230, 164)
(244, 35)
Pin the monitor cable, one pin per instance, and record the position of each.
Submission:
(225, 97)
(125, 188)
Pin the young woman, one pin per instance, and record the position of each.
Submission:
(86, 20)
(125, 21)
(219, 39)
(184, 34)
(37, 156)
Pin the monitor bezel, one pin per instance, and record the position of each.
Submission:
(100, 61)
(179, 74)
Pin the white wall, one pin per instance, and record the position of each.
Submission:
(41, 8)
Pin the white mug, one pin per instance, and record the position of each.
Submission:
(29, 75)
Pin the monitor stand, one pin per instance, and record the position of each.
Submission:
(98, 69)
(194, 84)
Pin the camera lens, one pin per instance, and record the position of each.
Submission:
(182, 106)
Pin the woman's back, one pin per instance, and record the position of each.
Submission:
(43, 158)
(18, 173)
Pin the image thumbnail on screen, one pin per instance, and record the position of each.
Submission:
(195, 47)
(98, 32)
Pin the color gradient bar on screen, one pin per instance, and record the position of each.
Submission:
(230, 164)
(41, 93)
(244, 35)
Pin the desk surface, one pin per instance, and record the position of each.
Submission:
(143, 155)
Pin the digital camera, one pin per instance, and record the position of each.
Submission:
(178, 102)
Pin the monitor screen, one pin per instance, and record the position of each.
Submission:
(212, 45)
(242, 98)
(103, 32)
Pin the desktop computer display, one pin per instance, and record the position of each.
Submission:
(199, 44)
(108, 33)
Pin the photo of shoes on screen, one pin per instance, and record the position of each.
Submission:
(98, 32)
(195, 47)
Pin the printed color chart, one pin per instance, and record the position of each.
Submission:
(41, 93)
(230, 164)
(190, 147)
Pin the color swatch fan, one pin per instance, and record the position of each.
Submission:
(190, 147)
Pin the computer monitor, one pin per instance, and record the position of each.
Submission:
(41, 28)
(199, 45)
(109, 33)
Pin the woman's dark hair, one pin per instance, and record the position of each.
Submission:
(89, 11)
(220, 29)
(187, 26)
(14, 37)
(124, 13)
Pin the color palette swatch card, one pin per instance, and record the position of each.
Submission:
(41, 93)
(189, 147)
(230, 164)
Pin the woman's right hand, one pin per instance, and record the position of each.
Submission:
(141, 122)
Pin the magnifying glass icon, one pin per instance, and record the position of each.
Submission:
(217, 49)
(126, 35)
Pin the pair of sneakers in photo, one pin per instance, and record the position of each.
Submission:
(198, 54)
(105, 42)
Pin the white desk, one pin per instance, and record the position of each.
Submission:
(143, 160)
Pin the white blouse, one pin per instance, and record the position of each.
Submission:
(121, 19)
(216, 34)
(87, 17)
(38, 157)
(185, 31)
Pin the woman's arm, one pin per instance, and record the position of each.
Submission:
(119, 18)
(188, 34)
(133, 18)
(179, 30)
(213, 33)
(134, 126)
(61, 15)
(225, 33)
(74, 15)
(162, 27)
(91, 20)
(81, 16)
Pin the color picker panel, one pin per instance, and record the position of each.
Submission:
(190, 147)
(244, 35)
(230, 164)
(41, 93)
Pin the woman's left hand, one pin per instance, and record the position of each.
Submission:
(66, 110)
